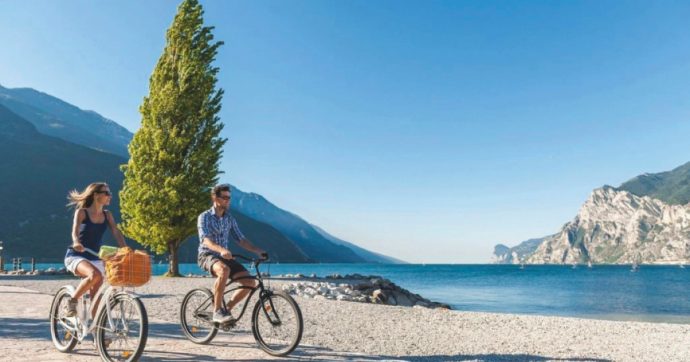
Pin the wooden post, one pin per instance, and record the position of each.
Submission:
(19, 264)
(33, 265)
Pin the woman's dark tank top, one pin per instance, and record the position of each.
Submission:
(91, 236)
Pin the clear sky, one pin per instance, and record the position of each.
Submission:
(428, 131)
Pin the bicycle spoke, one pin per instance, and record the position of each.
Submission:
(277, 325)
(126, 338)
(62, 330)
(195, 316)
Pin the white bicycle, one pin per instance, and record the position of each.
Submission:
(120, 327)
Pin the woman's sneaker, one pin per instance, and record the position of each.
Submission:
(222, 316)
(71, 308)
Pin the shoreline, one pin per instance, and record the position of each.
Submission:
(288, 282)
(349, 288)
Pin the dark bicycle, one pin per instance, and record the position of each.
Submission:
(276, 319)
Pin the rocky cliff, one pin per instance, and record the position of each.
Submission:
(616, 227)
(517, 254)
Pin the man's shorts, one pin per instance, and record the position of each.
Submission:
(206, 262)
(71, 263)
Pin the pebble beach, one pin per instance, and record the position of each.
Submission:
(347, 330)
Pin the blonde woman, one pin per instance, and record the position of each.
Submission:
(90, 222)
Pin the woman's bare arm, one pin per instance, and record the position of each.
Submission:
(78, 218)
(116, 231)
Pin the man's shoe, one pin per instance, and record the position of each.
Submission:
(222, 316)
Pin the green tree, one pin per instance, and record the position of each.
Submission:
(174, 156)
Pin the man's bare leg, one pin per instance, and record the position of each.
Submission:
(241, 293)
(222, 272)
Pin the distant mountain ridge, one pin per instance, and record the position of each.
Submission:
(44, 138)
(645, 220)
(369, 256)
(280, 248)
(35, 221)
(506, 255)
(314, 245)
(671, 187)
(37, 171)
(55, 117)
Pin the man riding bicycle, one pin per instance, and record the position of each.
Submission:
(216, 226)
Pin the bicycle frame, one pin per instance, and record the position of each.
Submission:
(260, 287)
(104, 297)
(87, 323)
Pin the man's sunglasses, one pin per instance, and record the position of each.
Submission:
(107, 193)
(226, 198)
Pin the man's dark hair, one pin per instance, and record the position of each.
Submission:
(220, 188)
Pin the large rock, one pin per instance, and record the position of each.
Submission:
(379, 297)
(617, 227)
(371, 289)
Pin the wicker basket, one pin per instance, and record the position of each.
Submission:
(128, 268)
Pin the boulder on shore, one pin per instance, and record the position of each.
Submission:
(363, 289)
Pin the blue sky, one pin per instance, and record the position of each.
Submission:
(428, 131)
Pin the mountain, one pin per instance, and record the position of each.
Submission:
(616, 227)
(54, 117)
(315, 245)
(369, 256)
(645, 220)
(49, 147)
(279, 247)
(672, 187)
(517, 254)
(37, 171)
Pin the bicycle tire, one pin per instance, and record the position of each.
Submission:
(70, 340)
(289, 315)
(105, 340)
(204, 295)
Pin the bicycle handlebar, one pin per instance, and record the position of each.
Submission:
(253, 260)
(86, 250)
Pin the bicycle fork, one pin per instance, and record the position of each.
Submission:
(269, 310)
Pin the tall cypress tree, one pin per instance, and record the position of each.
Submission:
(174, 156)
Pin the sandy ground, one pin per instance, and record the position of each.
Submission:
(336, 331)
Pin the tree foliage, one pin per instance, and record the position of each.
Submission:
(175, 155)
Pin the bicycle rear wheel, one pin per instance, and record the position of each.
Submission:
(62, 336)
(277, 323)
(126, 341)
(196, 316)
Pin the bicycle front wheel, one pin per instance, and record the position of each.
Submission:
(62, 329)
(196, 316)
(126, 338)
(277, 323)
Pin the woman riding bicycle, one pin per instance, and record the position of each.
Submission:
(90, 222)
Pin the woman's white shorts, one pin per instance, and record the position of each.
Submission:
(71, 263)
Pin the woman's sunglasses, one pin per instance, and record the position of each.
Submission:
(107, 193)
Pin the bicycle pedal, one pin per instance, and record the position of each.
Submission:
(228, 325)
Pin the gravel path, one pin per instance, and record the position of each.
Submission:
(336, 330)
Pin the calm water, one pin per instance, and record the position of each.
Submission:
(654, 293)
